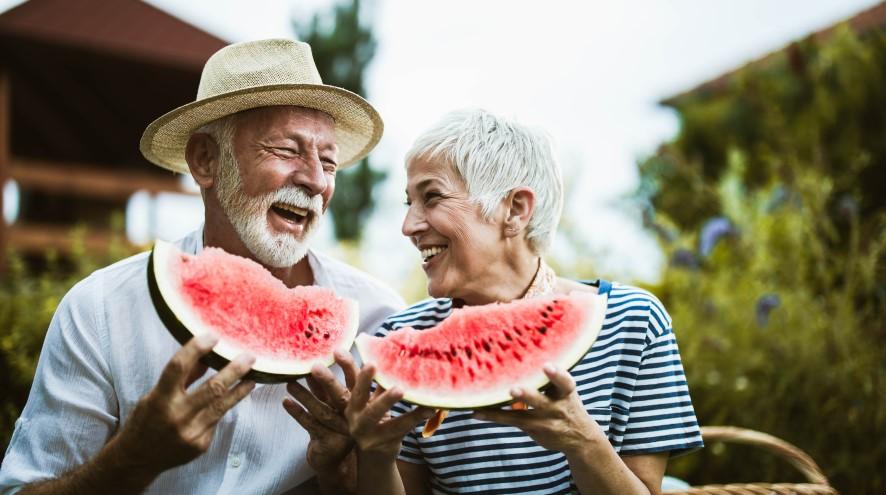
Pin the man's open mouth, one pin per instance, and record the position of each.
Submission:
(430, 252)
(291, 213)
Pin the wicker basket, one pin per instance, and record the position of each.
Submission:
(817, 485)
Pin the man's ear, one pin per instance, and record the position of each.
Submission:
(202, 155)
(520, 204)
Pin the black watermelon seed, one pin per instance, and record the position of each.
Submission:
(486, 346)
(325, 335)
(543, 330)
(308, 334)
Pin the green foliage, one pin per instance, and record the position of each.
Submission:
(28, 299)
(781, 323)
(819, 106)
(342, 51)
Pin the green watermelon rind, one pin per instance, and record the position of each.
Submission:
(184, 324)
(436, 399)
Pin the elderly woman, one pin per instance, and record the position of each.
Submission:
(484, 197)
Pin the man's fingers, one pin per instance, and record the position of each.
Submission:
(321, 412)
(197, 371)
(563, 382)
(316, 389)
(334, 393)
(346, 362)
(214, 411)
(360, 393)
(302, 417)
(217, 387)
(178, 369)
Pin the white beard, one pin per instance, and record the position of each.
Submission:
(249, 216)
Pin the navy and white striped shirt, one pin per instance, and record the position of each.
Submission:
(631, 382)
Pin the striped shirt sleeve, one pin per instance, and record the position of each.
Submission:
(661, 416)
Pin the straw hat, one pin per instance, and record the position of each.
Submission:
(259, 74)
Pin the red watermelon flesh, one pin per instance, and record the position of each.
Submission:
(253, 311)
(477, 355)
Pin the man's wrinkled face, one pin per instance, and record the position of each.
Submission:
(275, 179)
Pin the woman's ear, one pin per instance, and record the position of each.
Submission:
(520, 203)
(202, 155)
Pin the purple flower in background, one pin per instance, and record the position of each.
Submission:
(684, 258)
(712, 231)
(847, 206)
(765, 305)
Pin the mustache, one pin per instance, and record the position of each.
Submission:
(298, 197)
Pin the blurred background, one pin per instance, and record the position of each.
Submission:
(728, 156)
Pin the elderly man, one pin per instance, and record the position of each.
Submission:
(117, 406)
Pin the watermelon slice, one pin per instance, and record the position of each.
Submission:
(477, 355)
(288, 330)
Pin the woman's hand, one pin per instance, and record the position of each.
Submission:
(373, 429)
(556, 420)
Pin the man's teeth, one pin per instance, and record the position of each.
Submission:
(294, 209)
(431, 251)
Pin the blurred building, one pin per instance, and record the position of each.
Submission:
(79, 82)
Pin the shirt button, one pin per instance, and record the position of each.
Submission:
(235, 461)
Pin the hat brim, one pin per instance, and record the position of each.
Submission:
(358, 127)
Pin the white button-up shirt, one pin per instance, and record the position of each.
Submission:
(106, 348)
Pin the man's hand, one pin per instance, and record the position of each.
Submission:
(320, 411)
(171, 426)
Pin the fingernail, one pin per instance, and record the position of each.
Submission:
(516, 392)
(207, 340)
(245, 359)
(550, 368)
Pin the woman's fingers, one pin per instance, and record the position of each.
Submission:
(531, 397)
(562, 381)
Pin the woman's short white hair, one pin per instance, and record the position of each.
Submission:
(494, 155)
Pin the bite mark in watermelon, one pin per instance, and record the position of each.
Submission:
(479, 353)
(250, 310)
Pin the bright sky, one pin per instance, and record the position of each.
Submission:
(588, 72)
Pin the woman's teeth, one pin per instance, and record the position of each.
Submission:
(430, 252)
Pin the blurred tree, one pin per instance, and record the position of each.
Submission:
(343, 47)
(770, 206)
(28, 299)
(824, 100)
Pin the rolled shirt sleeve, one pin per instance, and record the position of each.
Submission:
(661, 417)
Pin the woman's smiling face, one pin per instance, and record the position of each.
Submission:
(459, 247)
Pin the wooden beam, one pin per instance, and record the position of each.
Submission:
(88, 180)
(34, 238)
